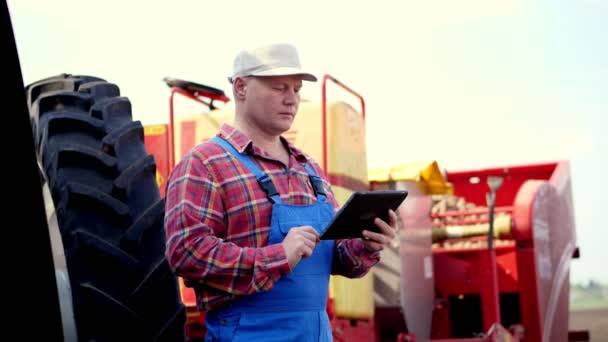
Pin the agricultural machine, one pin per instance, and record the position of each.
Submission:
(482, 255)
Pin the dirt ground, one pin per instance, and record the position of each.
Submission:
(594, 320)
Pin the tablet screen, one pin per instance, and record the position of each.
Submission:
(359, 212)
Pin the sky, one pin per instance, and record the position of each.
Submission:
(470, 83)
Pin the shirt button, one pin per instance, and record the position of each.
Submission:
(223, 322)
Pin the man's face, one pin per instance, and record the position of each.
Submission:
(270, 103)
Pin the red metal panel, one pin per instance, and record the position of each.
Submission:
(345, 330)
(514, 177)
(544, 226)
(195, 324)
(490, 307)
(528, 294)
(459, 271)
(156, 142)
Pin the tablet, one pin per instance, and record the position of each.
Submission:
(359, 212)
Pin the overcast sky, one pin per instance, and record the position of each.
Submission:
(470, 83)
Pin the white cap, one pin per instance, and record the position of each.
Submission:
(269, 60)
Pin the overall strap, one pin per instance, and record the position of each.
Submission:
(263, 179)
(317, 183)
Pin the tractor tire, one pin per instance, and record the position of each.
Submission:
(109, 211)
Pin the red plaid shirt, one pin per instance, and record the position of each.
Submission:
(217, 221)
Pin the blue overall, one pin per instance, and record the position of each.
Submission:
(295, 308)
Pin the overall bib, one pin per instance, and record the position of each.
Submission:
(295, 308)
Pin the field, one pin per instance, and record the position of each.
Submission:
(593, 319)
(589, 310)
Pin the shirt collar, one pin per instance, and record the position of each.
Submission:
(243, 143)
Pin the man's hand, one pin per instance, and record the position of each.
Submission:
(375, 242)
(299, 243)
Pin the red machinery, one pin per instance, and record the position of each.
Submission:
(482, 289)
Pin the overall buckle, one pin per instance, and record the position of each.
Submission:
(268, 186)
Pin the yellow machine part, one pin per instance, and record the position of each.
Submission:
(346, 170)
(427, 174)
(347, 165)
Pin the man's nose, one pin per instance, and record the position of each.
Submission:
(291, 97)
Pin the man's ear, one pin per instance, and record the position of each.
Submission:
(240, 88)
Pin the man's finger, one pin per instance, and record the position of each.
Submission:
(309, 232)
(385, 228)
(310, 236)
(309, 243)
(375, 237)
(306, 252)
(307, 229)
(392, 218)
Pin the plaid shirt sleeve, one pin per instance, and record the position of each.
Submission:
(193, 221)
(351, 260)
(350, 257)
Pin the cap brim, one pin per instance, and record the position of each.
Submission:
(285, 71)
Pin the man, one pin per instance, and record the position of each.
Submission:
(244, 211)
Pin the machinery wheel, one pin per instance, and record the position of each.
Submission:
(108, 208)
